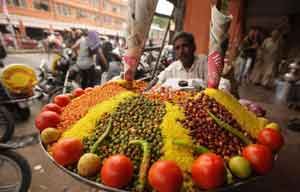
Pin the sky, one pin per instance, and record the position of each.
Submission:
(164, 7)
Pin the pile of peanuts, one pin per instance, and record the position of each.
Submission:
(172, 96)
(208, 133)
(79, 106)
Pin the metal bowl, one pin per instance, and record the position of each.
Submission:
(79, 178)
(110, 189)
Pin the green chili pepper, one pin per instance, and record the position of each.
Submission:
(94, 147)
(197, 148)
(229, 128)
(200, 149)
(144, 164)
(229, 177)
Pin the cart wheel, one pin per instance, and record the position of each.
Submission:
(17, 171)
(7, 126)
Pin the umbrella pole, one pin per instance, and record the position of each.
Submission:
(163, 45)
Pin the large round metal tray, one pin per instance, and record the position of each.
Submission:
(110, 189)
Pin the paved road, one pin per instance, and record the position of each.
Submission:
(33, 60)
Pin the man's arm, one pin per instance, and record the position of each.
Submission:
(101, 60)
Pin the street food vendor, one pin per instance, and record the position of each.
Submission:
(188, 65)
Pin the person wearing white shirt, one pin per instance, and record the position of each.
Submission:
(188, 65)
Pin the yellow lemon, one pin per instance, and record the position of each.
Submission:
(274, 126)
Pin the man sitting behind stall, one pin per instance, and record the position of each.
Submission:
(188, 65)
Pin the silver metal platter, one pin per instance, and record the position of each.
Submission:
(110, 189)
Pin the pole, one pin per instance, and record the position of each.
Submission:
(11, 29)
(162, 46)
(10, 26)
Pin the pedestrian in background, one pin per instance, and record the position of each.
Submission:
(88, 48)
(266, 67)
(247, 55)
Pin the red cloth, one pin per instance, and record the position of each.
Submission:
(215, 67)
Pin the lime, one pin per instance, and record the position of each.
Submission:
(50, 135)
(88, 165)
(240, 167)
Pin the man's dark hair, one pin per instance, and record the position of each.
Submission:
(189, 37)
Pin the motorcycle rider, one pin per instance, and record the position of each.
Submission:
(88, 47)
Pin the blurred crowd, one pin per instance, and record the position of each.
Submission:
(260, 57)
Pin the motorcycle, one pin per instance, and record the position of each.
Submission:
(57, 80)
(18, 106)
(19, 168)
(168, 56)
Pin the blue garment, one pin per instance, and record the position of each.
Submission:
(93, 41)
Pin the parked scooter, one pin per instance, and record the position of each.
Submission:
(19, 107)
(59, 78)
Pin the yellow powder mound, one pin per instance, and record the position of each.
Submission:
(86, 125)
(172, 130)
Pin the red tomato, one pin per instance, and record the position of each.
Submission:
(165, 176)
(271, 138)
(88, 89)
(47, 119)
(208, 171)
(52, 107)
(62, 100)
(78, 92)
(117, 171)
(67, 151)
(260, 158)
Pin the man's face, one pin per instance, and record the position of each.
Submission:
(183, 51)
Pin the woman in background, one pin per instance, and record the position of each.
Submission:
(265, 68)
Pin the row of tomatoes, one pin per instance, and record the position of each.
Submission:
(50, 113)
(208, 170)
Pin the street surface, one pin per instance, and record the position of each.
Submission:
(284, 177)
(45, 175)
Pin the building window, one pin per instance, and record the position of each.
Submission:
(81, 14)
(42, 5)
(114, 9)
(107, 19)
(63, 10)
(17, 3)
(94, 3)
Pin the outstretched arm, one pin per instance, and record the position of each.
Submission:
(101, 60)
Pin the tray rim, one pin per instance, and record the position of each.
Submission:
(111, 189)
